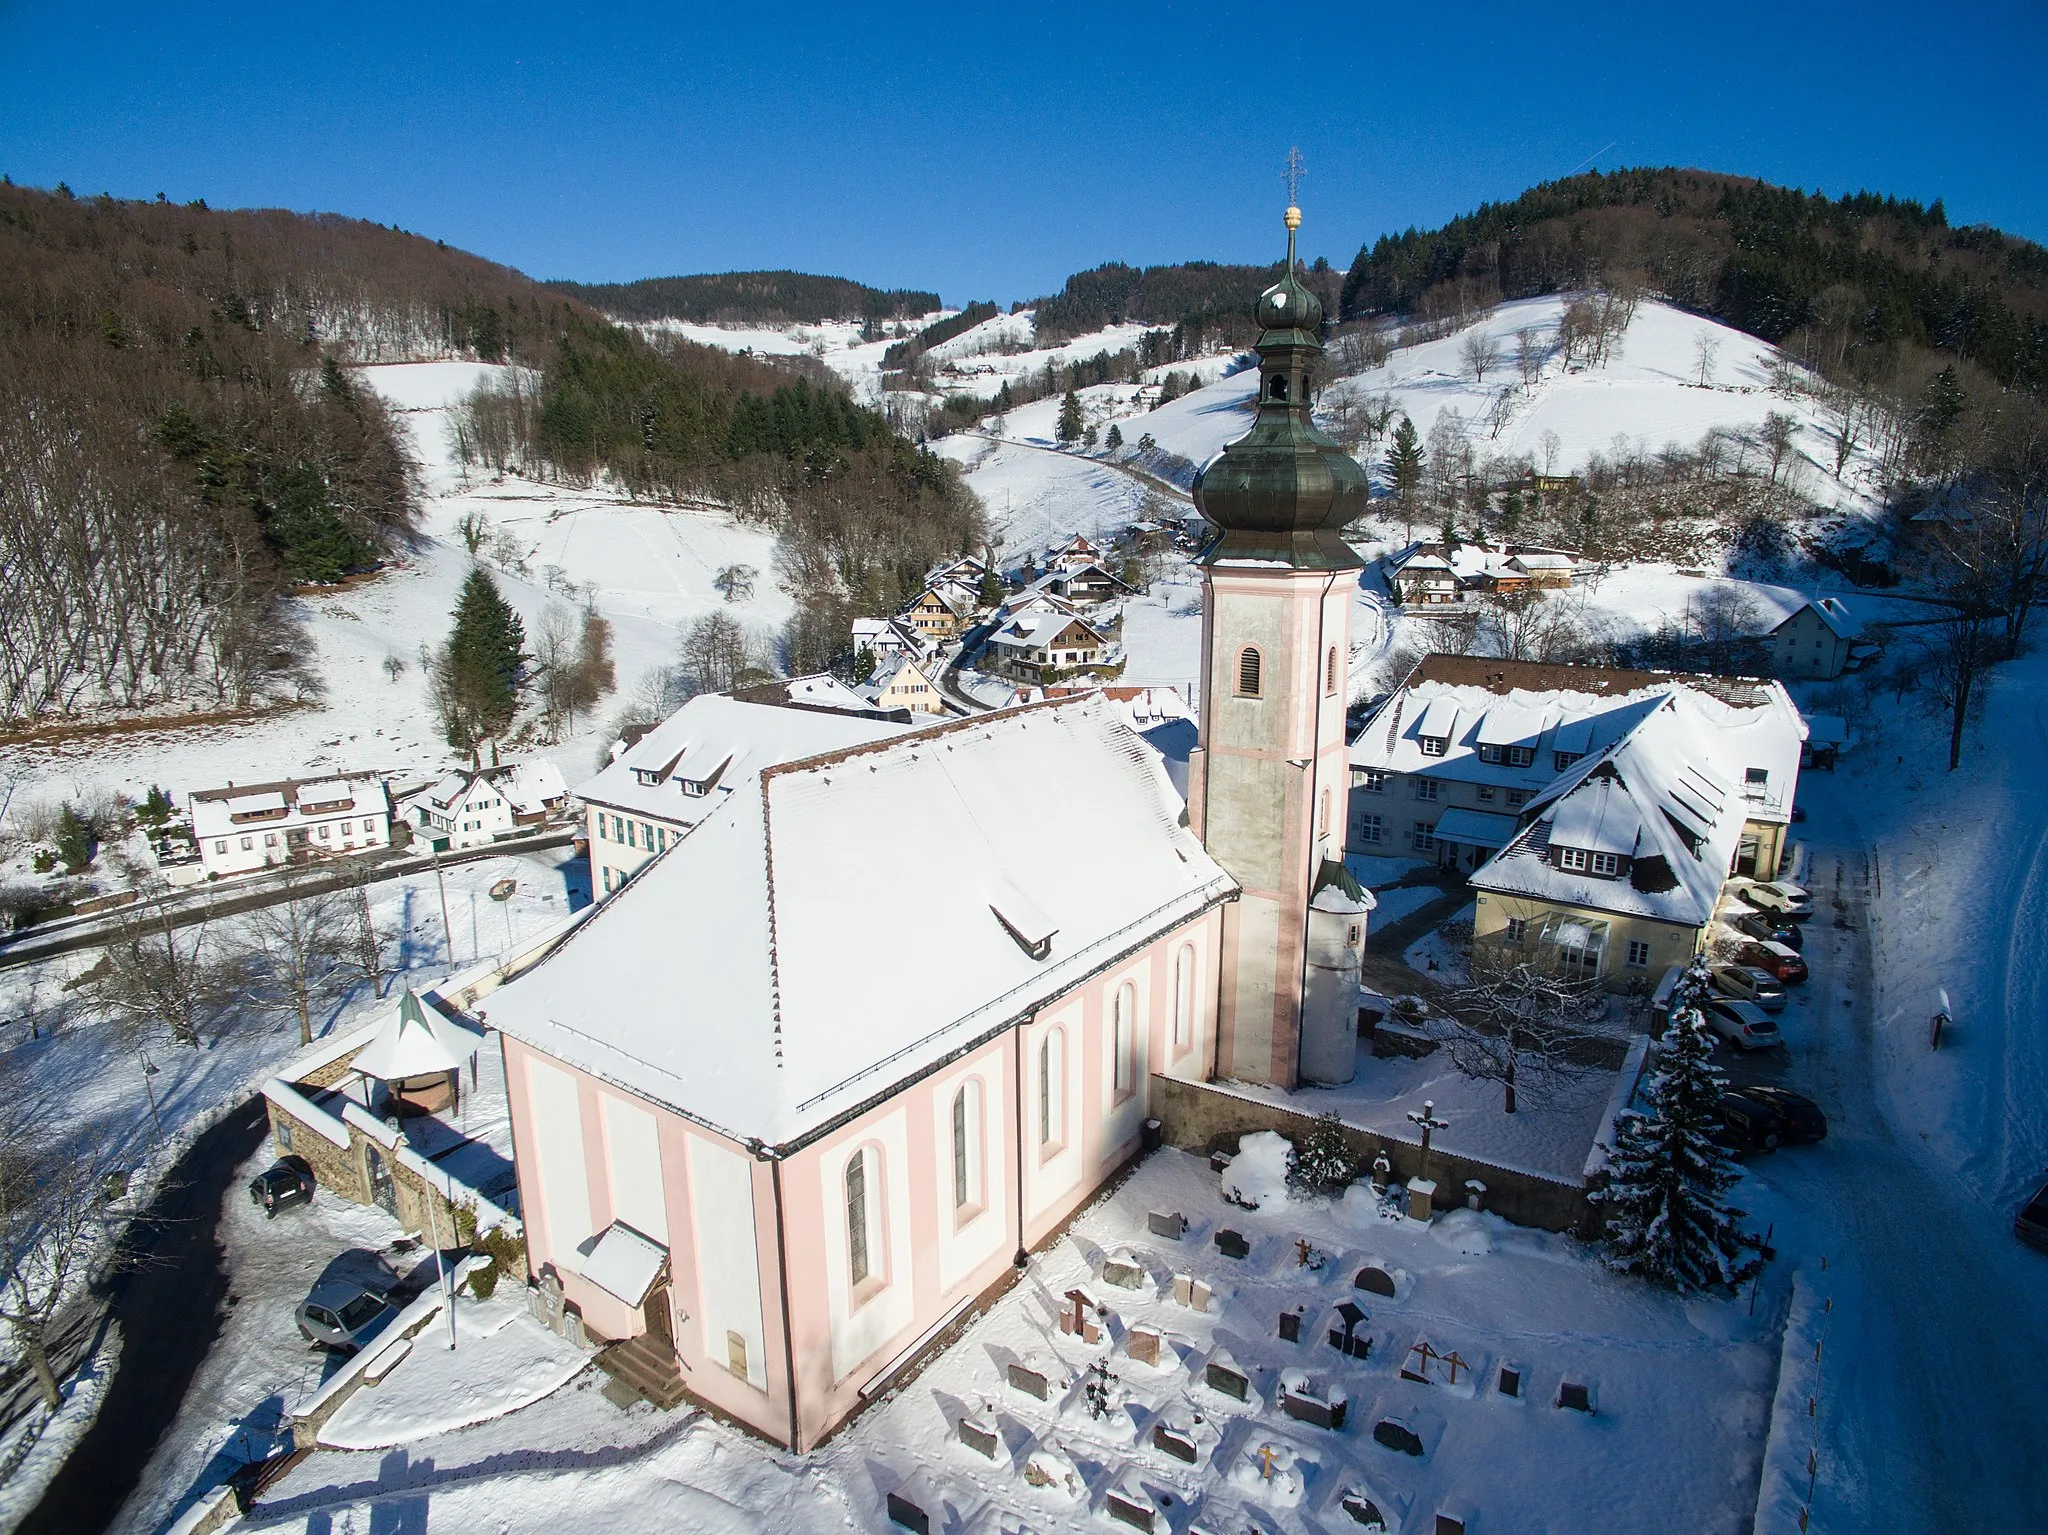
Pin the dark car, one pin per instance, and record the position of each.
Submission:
(1800, 1120)
(284, 1183)
(2031, 1224)
(1765, 929)
(1774, 959)
(1748, 1124)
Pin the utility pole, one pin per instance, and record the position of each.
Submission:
(150, 1069)
(447, 930)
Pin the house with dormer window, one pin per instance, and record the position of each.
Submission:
(1598, 811)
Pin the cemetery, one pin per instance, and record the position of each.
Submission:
(1185, 1363)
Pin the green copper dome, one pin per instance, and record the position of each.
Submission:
(1284, 491)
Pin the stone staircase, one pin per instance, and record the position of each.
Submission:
(641, 1368)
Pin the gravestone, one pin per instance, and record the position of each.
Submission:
(1575, 1396)
(1191, 1292)
(1304, 1406)
(1344, 1336)
(1029, 1381)
(1449, 1524)
(1420, 1356)
(1143, 1345)
(906, 1513)
(1172, 1441)
(1225, 1377)
(1395, 1435)
(980, 1436)
(1420, 1192)
(1510, 1381)
(1220, 1161)
(1290, 1327)
(1233, 1244)
(1374, 1280)
(1124, 1271)
(1132, 1509)
(1362, 1511)
(1170, 1224)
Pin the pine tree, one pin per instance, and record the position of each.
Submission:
(1115, 438)
(1322, 1164)
(1404, 463)
(1069, 428)
(476, 682)
(1666, 1215)
(74, 840)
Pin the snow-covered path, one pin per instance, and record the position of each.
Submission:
(1934, 1402)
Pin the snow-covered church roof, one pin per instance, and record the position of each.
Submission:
(736, 979)
(414, 1040)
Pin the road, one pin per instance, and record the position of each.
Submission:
(215, 901)
(168, 1306)
(1143, 477)
(1933, 1412)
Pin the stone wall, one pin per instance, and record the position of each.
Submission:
(1199, 1117)
(337, 1169)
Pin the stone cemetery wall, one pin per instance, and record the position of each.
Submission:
(1198, 1117)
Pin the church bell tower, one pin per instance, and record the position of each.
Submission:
(1270, 780)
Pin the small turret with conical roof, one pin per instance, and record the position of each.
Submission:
(1284, 491)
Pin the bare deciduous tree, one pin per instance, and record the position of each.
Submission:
(1705, 348)
(54, 1226)
(1529, 1026)
(1530, 352)
(1479, 352)
(715, 651)
(1776, 433)
(295, 950)
(154, 975)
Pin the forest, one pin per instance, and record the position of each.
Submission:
(759, 298)
(1864, 276)
(1197, 299)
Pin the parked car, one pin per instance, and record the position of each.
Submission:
(1764, 1118)
(343, 1316)
(1803, 1121)
(1780, 898)
(1774, 959)
(1743, 1025)
(286, 1182)
(1746, 983)
(2031, 1224)
(1660, 999)
(1767, 929)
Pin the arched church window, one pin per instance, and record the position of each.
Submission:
(1052, 1079)
(1184, 996)
(1123, 1042)
(1330, 672)
(857, 1216)
(967, 1145)
(1248, 672)
(1323, 816)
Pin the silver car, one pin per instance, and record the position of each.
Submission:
(1746, 983)
(343, 1316)
(1743, 1025)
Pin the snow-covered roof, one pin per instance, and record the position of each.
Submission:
(625, 1263)
(734, 979)
(1671, 796)
(887, 674)
(1039, 627)
(1830, 611)
(824, 690)
(1531, 559)
(1512, 723)
(219, 812)
(1475, 828)
(724, 743)
(415, 1041)
(1439, 718)
(529, 786)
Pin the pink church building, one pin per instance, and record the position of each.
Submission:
(823, 1074)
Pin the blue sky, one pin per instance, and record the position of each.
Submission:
(988, 152)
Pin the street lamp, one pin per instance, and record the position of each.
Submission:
(150, 1069)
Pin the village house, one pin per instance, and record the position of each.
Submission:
(479, 806)
(769, 1170)
(1816, 642)
(940, 612)
(887, 638)
(1531, 777)
(901, 683)
(1548, 569)
(1423, 580)
(678, 773)
(1042, 644)
(1431, 575)
(247, 827)
(1077, 553)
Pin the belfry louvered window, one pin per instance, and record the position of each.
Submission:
(1248, 672)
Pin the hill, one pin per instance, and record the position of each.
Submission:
(1193, 297)
(728, 298)
(1845, 283)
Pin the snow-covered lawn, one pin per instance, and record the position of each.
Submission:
(1680, 1393)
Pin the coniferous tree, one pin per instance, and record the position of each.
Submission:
(74, 840)
(1404, 465)
(1666, 1213)
(476, 680)
(1115, 439)
(1069, 428)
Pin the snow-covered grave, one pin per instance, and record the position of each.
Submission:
(1680, 1395)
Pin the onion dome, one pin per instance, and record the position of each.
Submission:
(1284, 491)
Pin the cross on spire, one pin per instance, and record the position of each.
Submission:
(1296, 169)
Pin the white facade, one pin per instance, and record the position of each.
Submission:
(1814, 642)
(241, 829)
(477, 808)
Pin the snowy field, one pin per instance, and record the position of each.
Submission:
(1682, 1388)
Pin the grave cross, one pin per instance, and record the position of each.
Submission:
(1428, 1122)
(1266, 1453)
(1455, 1363)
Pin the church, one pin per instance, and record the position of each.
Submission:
(886, 1016)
